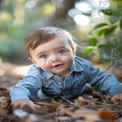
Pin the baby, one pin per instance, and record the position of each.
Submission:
(56, 70)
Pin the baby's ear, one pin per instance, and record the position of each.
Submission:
(31, 60)
(74, 52)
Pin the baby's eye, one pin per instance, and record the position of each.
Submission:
(43, 56)
(61, 51)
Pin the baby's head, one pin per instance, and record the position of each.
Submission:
(52, 49)
(46, 34)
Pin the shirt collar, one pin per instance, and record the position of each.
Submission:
(48, 75)
(76, 67)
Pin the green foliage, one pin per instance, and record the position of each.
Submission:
(101, 32)
(100, 25)
(87, 50)
(93, 41)
(17, 20)
(108, 12)
(110, 30)
(107, 36)
(106, 31)
(121, 24)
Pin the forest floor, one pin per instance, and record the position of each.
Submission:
(91, 107)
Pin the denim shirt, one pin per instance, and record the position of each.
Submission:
(38, 83)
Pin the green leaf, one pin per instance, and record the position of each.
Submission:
(93, 41)
(101, 32)
(110, 30)
(115, 18)
(117, 15)
(100, 25)
(121, 24)
(108, 12)
(102, 46)
(87, 50)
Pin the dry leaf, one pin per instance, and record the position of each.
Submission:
(4, 105)
(4, 102)
(82, 100)
(117, 98)
(92, 118)
(85, 114)
(52, 108)
(106, 114)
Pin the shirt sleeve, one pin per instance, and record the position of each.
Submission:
(28, 87)
(106, 81)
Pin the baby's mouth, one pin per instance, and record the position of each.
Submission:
(58, 65)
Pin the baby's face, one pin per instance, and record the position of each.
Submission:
(55, 56)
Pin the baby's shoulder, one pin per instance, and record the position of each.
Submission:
(34, 71)
(83, 62)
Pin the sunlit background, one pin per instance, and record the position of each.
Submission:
(79, 17)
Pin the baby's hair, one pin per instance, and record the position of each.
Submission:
(46, 34)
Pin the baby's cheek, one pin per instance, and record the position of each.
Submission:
(46, 68)
(45, 65)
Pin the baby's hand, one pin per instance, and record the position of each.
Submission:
(25, 104)
(116, 98)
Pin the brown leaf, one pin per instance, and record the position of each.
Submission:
(4, 102)
(117, 98)
(106, 114)
(4, 91)
(82, 100)
(52, 108)
(80, 113)
(3, 111)
(5, 107)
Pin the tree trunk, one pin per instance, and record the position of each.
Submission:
(61, 12)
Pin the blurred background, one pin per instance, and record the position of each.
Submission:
(96, 26)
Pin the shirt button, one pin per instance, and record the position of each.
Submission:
(59, 83)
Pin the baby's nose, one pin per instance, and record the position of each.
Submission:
(52, 58)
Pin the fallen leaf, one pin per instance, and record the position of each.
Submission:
(4, 102)
(82, 100)
(106, 114)
(117, 98)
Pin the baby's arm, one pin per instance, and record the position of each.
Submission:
(23, 92)
(26, 90)
(106, 82)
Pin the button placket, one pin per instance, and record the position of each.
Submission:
(58, 80)
(67, 88)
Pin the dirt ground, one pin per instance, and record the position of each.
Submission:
(91, 107)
